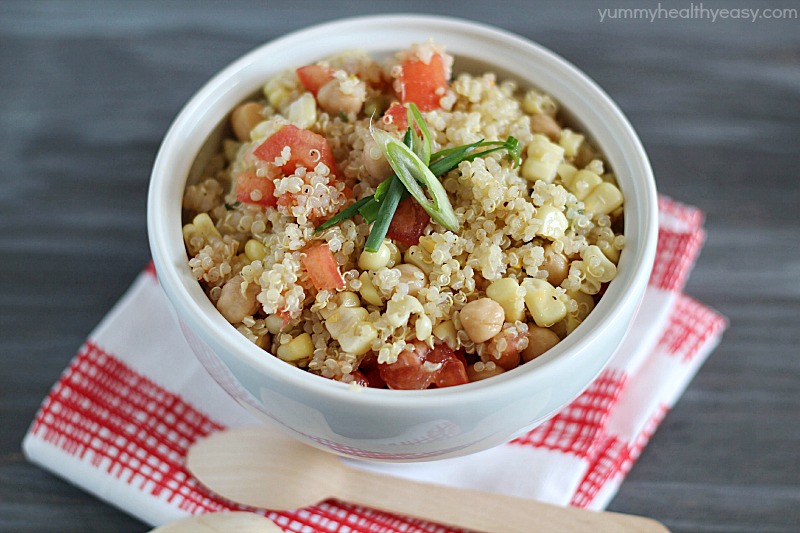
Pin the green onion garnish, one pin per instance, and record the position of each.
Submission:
(385, 214)
(420, 146)
(412, 172)
(416, 169)
(370, 210)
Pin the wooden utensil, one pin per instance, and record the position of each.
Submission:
(258, 467)
(238, 521)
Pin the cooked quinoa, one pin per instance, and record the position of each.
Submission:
(535, 245)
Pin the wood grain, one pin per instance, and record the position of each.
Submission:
(258, 467)
(89, 89)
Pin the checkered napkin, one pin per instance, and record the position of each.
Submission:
(120, 420)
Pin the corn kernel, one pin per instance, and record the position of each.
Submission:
(344, 320)
(553, 222)
(603, 199)
(419, 257)
(398, 310)
(359, 341)
(255, 250)
(368, 291)
(276, 91)
(597, 264)
(570, 142)
(543, 302)
(300, 347)
(423, 327)
(274, 324)
(446, 332)
(583, 183)
(612, 252)
(536, 103)
(374, 261)
(542, 161)
(510, 296)
(565, 171)
(205, 226)
(303, 111)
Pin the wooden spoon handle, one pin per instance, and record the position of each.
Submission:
(483, 511)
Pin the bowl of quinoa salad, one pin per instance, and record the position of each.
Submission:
(408, 250)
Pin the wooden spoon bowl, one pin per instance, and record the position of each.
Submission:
(259, 467)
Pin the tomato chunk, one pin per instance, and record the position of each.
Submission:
(397, 114)
(251, 189)
(423, 83)
(409, 222)
(445, 369)
(308, 149)
(322, 268)
(454, 366)
(407, 373)
(313, 77)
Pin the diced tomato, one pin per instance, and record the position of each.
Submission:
(409, 372)
(322, 268)
(409, 222)
(308, 149)
(313, 77)
(454, 367)
(423, 83)
(397, 114)
(250, 186)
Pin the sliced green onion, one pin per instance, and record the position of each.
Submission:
(457, 154)
(411, 171)
(381, 189)
(511, 145)
(453, 158)
(370, 210)
(344, 214)
(416, 168)
(388, 206)
(420, 146)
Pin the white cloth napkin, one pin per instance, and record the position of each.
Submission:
(121, 417)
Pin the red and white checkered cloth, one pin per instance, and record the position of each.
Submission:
(120, 420)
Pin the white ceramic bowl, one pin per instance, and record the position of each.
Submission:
(404, 425)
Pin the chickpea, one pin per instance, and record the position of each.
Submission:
(547, 125)
(244, 118)
(483, 373)
(482, 319)
(234, 305)
(413, 276)
(508, 357)
(539, 341)
(333, 99)
(556, 265)
(375, 163)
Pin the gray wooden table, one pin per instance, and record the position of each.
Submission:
(89, 88)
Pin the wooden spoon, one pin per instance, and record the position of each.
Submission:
(259, 467)
(238, 521)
